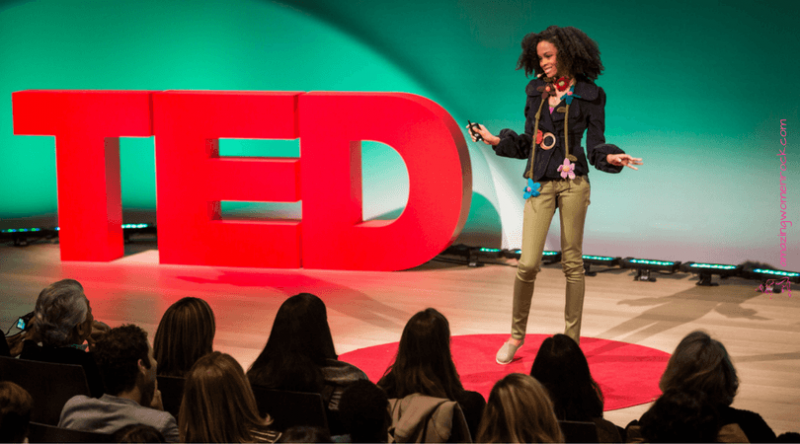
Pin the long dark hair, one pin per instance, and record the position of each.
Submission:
(184, 335)
(424, 363)
(299, 344)
(577, 53)
(702, 364)
(561, 367)
(677, 416)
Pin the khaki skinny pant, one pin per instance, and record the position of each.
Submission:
(571, 197)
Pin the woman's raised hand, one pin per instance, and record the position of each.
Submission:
(488, 138)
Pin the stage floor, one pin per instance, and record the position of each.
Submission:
(760, 331)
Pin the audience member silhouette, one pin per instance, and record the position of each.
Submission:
(364, 410)
(561, 367)
(126, 363)
(519, 410)
(678, 416)
(184, 335)
(219, 406)
(300, 356)
(62, 323)
(16, 405)
(425, 365)
(702, 365)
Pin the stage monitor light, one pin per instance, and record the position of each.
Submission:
(548, 257)
(490, 250)
(21, 230)
(643, 267)
(706, 271)
(765, 274)
(474, 256)
(129, 230)
(136, 226)
(551, 257)
(22, 236)
(513, 254)
(605, 261)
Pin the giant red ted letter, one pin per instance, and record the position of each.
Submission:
(192, 178)
(332, 126)
(87, 126)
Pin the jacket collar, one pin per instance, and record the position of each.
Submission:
(585, 90)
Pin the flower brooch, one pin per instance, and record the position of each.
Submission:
(532, 190)
(562, 83)
(567, 169)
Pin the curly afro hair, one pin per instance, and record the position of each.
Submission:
(577, 53)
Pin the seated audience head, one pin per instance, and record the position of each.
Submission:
(126, 363)
(298, 345)
(519, 410)
(701, 364)
(16, 405)
(218, 404)
(184, 335)
(424, 363)
(63, 315)
(138, 433)
(561, 367)
(305, 434)
(364, 410)
(678, 416)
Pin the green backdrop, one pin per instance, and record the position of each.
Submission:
(695, 88)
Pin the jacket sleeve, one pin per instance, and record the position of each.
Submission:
(170, 430)
(517, 146)
(596, 146)
(513, 145)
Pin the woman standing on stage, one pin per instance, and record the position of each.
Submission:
(566, 63)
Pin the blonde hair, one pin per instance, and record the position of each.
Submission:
(519, 410)
(218, 403)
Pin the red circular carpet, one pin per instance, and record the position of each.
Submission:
(628, 374)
